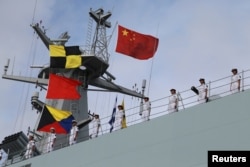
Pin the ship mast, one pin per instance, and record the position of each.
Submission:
(93, 71)
(100, 44)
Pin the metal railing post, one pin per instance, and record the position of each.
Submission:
(209, 89)
(242, 80)
(180, 99)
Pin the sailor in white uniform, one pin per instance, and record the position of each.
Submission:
(146, 109)
(51, 139)
(3, 157)
(173, 102)
(96, 126)
(73, 133)
(119, 115)
(30, 147)
(1, 154)
(235, 81)
(203, 89)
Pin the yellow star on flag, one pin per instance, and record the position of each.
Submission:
(125, 32)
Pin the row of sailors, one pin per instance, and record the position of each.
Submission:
(51, 139)
(202, 92)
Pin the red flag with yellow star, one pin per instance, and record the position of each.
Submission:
(134, 44)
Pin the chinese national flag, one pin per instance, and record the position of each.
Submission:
(134, 44)
(62, 88)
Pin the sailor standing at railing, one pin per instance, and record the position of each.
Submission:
(173, 102)
(1, 154)
(51, 139)
(118, 117)
(203, 89)
(30, 147)
(2, 159)
(146, 109)
(73, 133)
(96, 126)
(235, 81)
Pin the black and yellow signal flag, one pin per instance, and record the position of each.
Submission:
(65, 56)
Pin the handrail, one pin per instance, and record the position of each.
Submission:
(217, 89)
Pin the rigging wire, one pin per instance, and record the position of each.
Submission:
(34, 11)
(97, 98)
(26, 88)
(23, 97)
(152, 62)
(150, 75)
(19, 106)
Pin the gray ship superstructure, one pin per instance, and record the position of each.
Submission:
(180, 139)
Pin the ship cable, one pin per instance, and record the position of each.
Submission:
(152, 62)
(34, 12)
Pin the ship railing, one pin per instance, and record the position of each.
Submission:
(15, 157)
(216, 89)
(89, 52)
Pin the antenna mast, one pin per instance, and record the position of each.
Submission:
(100, 45)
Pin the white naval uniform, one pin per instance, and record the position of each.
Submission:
(234, 83)
(95, 128)
(146, 111)
(29, 149)
(73, 132)
(1, 154)
(51, 138)
(118, 119)
(202, 93)
(173, 103)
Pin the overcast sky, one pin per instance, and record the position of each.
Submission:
(197, 38)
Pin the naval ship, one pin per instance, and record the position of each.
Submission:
(179, 139)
